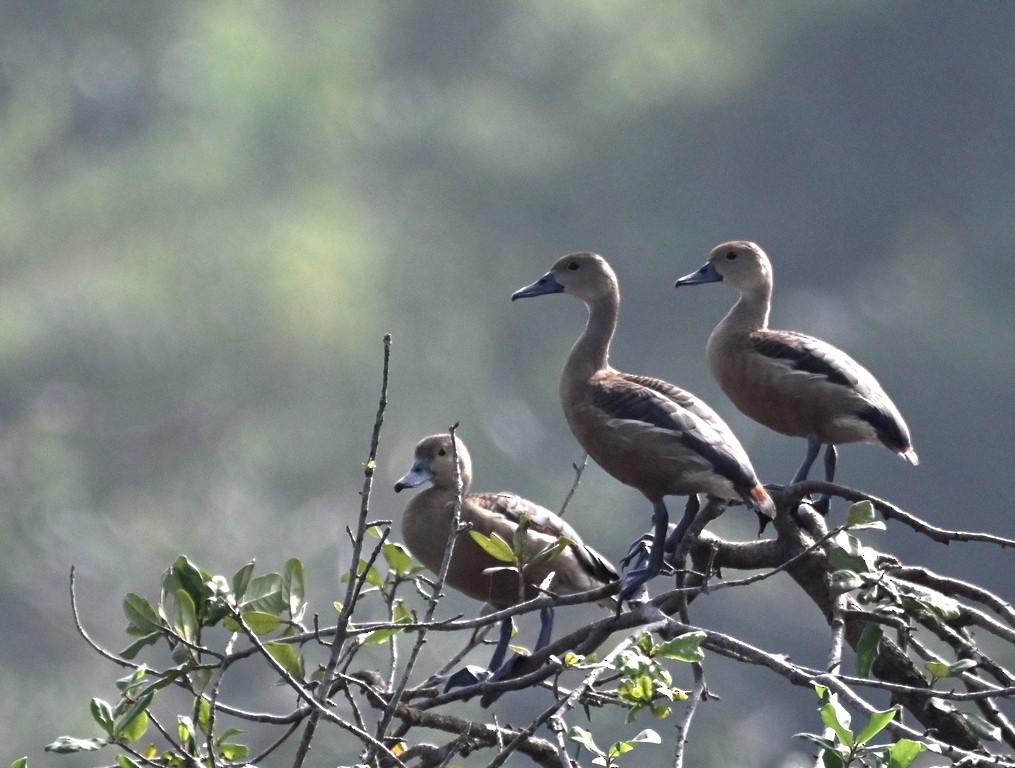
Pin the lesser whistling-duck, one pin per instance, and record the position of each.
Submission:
(426, 527)
(792, 383)
(645, 432)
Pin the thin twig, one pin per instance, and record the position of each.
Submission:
(579, 469)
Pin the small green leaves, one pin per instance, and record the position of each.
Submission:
(848, 748)
(142, 619)
(21, 762)
(398, 558)
(862, 516)
(494, 546)
(940, 669)
(241, 579)
(686, 647)
(400, 615)
(904, 752)
(287, 657)
(67, 745)
(867, 649)
(607, 758)
(293, 588)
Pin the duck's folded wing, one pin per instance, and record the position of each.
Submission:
(662, 406)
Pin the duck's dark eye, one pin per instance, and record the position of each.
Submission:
(573, 266)
(731, 255)
(441, 452)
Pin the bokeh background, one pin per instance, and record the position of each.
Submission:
(210, 214)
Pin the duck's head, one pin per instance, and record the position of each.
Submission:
(585, 275)
(740, 263)
(433, 462)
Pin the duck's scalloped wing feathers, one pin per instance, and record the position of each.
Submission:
(664, 406)
(541, 519)
(808, 355)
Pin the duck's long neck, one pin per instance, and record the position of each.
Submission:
(750, 313)
(591, 353)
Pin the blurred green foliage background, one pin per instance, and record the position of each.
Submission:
(210, 214)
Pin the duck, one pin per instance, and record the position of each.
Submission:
(792, 383)
(427, 525)
(645, 432)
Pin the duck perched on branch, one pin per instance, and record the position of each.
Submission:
(792, 383)
(427, 526)
(645, 432)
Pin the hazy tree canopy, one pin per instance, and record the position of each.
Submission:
(211, 213)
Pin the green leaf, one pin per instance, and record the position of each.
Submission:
(956, 668)
(686, 647)
(867, 649)
(203, 714)
(21, 762)
(184, 575)
(234, 751)
(132, 727)
(185, 730)
(67, 745)
(877, 723)
(844, 580)
(863, 515)
(398, 557)
(520, 537)
(841, 560)
(241, 579)
(580, 736)
(904, 752)
(133, 681)
(373, 576)
(648, 736)
(142, 618)
(102, 714)
(832, 759)
(943, 607)
(494, 546)
(401, 613)
(834, 716)
(826, 744)
(549, 552)
(185, 616)
(937, 668)
(288, 657)
(260, 623)
(132, 650)
(294, 587)
(125, 762)
(264, 593)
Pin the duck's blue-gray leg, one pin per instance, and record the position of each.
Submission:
(500, 651)
(506, 670)
(813, 446)
(690, 512)
(830, 463)
(824, 500)
(661, 543)
(471, 674)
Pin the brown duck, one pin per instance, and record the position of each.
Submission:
(645, 432)
(426, 526)
(792, 383)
